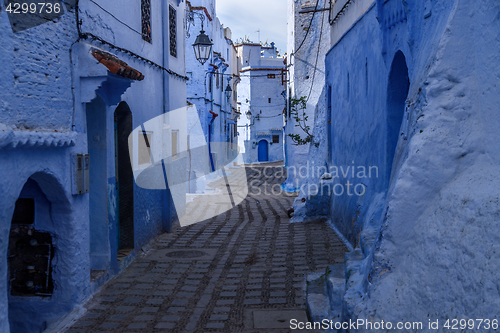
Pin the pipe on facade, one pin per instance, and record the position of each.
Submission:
(210, 124)
(165, 197)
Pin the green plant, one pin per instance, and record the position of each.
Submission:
(298, 112)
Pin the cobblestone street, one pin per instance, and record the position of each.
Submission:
(241, 271)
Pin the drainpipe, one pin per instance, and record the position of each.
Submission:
(214, 115)
(166, 201)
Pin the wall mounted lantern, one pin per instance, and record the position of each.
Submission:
(249, 115)
(228, 91)
(202, 45)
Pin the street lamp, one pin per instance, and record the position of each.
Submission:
(202, 46)
(228, 91)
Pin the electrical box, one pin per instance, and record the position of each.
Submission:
(80, 173)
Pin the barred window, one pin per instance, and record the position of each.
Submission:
(276, 139)
(172, 30)
(146, 20)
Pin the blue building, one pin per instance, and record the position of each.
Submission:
(410, 125)
(211, 93)
(73, 89)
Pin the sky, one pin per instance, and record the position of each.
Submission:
(245, 17)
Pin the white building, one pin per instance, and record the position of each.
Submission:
(308, 42)
(261, 102)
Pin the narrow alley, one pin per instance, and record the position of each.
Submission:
(242, 270)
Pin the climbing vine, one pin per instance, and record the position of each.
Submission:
(298, 112)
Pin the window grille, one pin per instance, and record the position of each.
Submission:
(276, 139)
(172, 30)
(146, 20)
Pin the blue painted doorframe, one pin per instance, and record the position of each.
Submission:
(263, 153)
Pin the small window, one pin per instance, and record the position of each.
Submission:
(271, 76)
(276, 139)
(269, 100)
(217, 79)
(146, 20)
(175, 136)
(144, 147)
(172, 30)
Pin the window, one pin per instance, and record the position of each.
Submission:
(210, 83)
(175, 136)
(172, 30)
(144, 147)
(271, 76)
(276, 139)
(217, 79)
(269, 100)
(146, 20)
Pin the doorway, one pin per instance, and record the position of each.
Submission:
(124, 181)
(263, 151)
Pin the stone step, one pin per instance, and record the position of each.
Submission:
(325, 292)
(335, 289)
(317, 302)
(355, 281)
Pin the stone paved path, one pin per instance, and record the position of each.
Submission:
(230, 273)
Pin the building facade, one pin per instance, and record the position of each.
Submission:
(74, 89)
(410, 125)
(308, 43)
(211, 93)
(261, 102)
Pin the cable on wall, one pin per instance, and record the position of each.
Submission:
(307, 32)
(317, 54)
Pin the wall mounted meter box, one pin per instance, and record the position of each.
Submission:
(80, 165)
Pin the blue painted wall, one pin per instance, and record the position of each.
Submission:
(427, 217)
(55, 101)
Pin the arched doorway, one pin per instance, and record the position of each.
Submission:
(124, 181)
(46, 267)
(30, 257)
(397, 92)
(263, 151)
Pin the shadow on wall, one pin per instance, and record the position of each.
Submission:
(124, 177)
(397, 92)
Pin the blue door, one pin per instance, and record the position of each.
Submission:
(263, 151)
